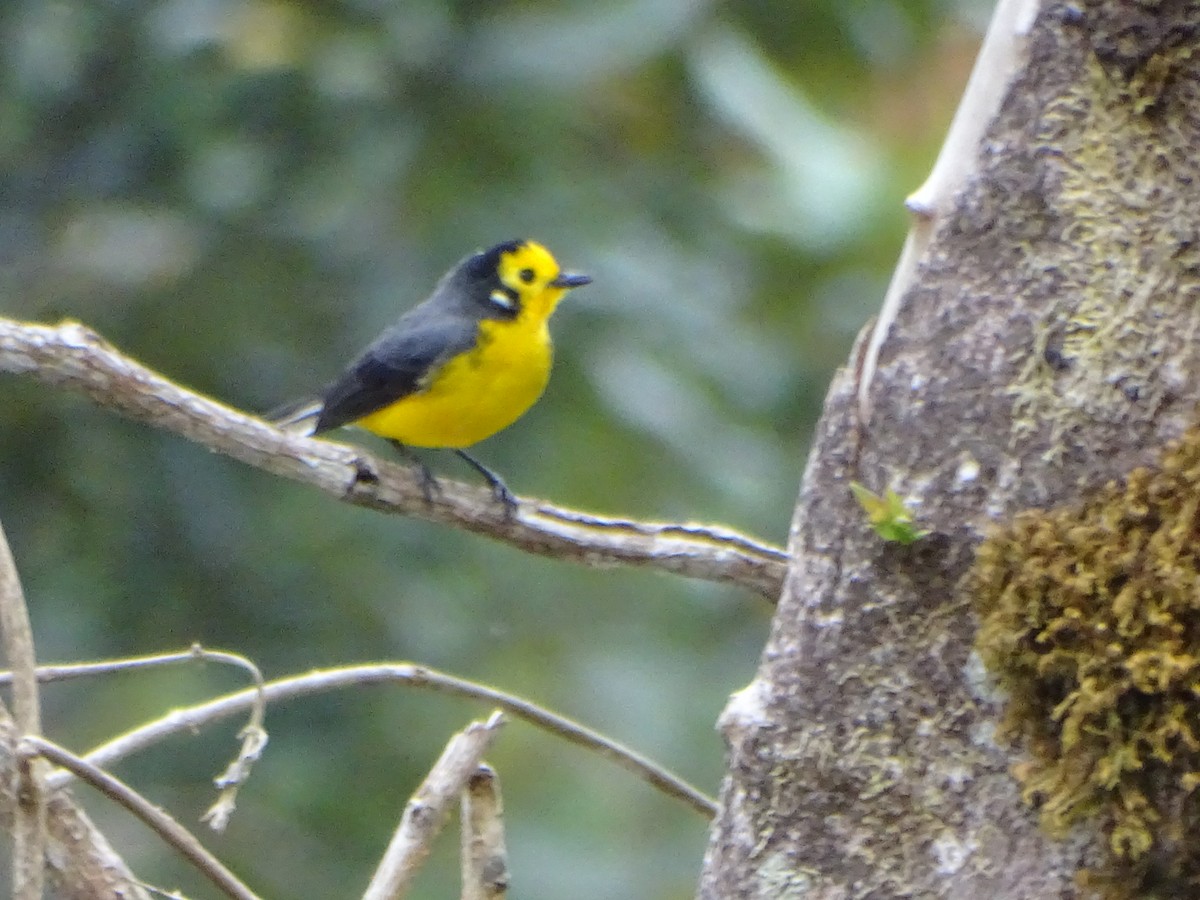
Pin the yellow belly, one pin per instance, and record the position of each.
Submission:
(476, 394)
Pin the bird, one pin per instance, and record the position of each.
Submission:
(462, 365)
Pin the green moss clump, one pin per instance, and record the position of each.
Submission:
(1090, 619)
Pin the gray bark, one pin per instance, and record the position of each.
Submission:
(1047, 346)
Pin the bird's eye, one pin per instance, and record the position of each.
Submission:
(526, 275)
(503, 299)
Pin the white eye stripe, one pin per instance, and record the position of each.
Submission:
(503, 299)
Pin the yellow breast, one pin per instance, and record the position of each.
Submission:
(475, 394)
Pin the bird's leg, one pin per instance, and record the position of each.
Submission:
(429, 483)
(499, 488)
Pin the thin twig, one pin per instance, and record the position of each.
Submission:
(324, 680)
(72, 355)
(29, 827)
(253, 735)
(153, 817)
(71, 671)
(484, 855)
(429, 808)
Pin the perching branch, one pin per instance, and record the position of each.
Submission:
(72, 355)
(189, 719)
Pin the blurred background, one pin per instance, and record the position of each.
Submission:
(240, 193)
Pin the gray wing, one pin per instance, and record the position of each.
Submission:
(400, 362)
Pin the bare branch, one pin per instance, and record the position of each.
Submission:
(80, 862)
(29, 826)
(429, 807)
(158, 821)
(484, 856)
(321, 681)
(72, 355)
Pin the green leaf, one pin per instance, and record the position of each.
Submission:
(888, 516)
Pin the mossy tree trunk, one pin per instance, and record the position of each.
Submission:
(1045, 347)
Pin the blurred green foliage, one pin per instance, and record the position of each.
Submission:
(241, 192)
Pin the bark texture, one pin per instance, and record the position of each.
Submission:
(80, 863)
(1048, 346)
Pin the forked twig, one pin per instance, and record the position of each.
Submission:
(429, 807)
(253, 735)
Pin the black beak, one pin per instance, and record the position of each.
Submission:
(571, 280)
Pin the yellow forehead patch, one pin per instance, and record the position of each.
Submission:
(529, 257)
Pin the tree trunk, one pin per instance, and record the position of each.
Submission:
(1044, 346)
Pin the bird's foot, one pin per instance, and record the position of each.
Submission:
(430, 488)
(500, 491)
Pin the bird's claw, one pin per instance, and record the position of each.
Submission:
(506, 498)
